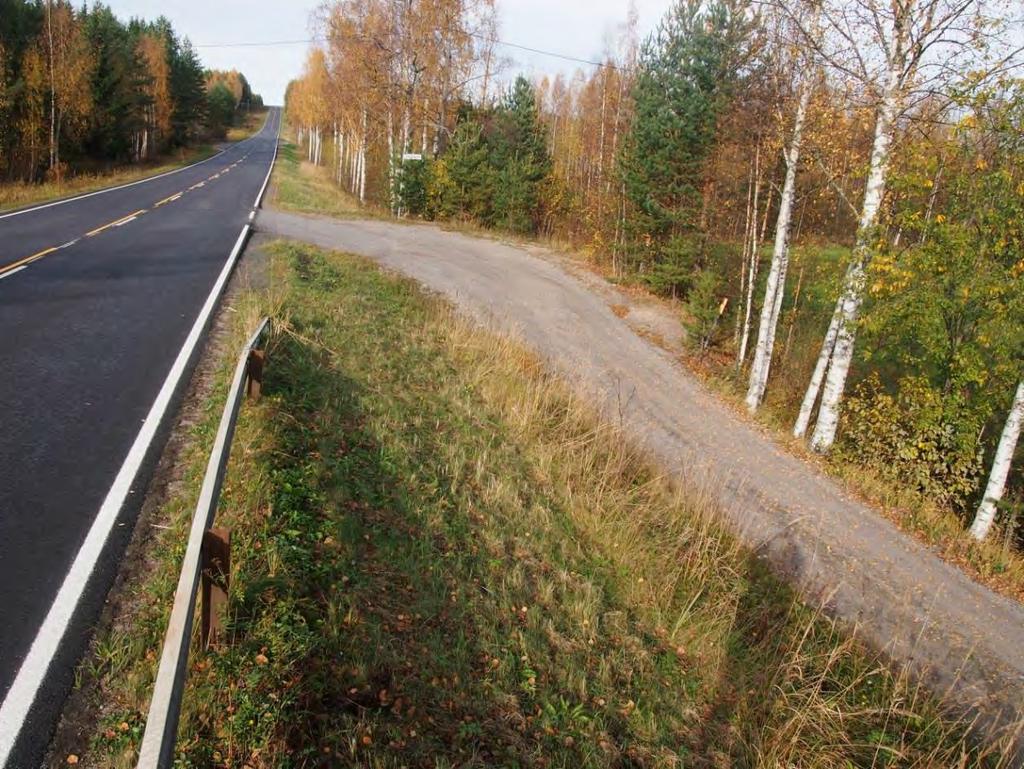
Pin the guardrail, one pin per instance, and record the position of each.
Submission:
(206, 565)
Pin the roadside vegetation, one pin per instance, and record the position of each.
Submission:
(998, 562)
(88, 100)
(305, 188)
(766, 181)
(442, 557)
(17, 194)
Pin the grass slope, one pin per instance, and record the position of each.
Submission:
(442, 558)
(300, 186)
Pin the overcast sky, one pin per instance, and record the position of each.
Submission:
(572, 27)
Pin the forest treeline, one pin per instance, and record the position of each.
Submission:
(80, 89)
(835, 190)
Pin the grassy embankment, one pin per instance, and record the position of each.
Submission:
(995, 563)
(302, 187)
(17, 194)
(246, 124)
(441, 557)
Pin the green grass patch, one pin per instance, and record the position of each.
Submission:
(247, 124)
(301, 186)
(441, 557)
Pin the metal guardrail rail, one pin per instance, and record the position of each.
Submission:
(205, 562)
(207, 555)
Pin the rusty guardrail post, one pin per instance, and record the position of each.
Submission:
(257, 360)
(216, 568)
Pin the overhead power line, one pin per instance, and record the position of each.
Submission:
(478, 35)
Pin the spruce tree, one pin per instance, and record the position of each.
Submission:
(471, 189)
(118, 86)
(686, 71)
(519, 155)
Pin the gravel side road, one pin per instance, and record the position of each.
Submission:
(967, 641)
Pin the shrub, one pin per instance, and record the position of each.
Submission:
(705, 309)
(412, 186)
(672, 273)
(918, 437)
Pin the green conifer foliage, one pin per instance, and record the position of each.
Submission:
(687, 70)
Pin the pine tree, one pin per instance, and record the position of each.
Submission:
(220, 110)
(470, 190)
(187, 86)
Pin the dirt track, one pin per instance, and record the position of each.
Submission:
(905, 601)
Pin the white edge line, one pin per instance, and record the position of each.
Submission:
(263, 189)
(140, 181)
(22, 694)
(9, 273)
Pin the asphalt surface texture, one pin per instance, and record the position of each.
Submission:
(963, 640)
(97, 297)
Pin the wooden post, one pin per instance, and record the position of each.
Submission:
(216, 566)
(257, 358)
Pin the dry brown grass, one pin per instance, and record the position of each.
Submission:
(17, 194)
(250, 123)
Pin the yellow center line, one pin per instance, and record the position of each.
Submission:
(27, 259)
(122, 220)
(168, 199)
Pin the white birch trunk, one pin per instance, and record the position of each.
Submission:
(853, 290)
(745, 255)
(754, 260)
(362, 161)
(354, 169)
(811, 396)
(986, 514)
(343, 153)
(775, 289)
(391, 162)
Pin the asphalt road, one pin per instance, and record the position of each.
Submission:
(97, 298)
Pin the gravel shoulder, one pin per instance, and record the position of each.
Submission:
(962, 639)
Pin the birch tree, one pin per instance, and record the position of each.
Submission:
(69, 63)
(897, 50)
(775, 286)
(986, 514)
